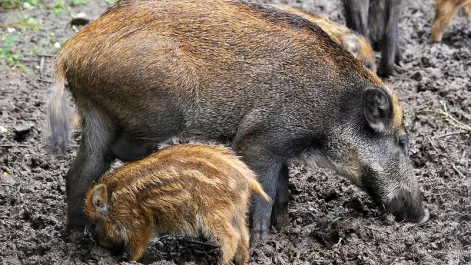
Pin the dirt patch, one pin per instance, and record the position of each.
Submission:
(332, 222)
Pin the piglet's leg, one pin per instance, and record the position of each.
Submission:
(242, 252)
(137, 244)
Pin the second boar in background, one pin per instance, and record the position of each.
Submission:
(195, 190)
(353, 42)
(378, 21)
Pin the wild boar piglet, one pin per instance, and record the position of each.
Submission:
(445, 10)
(195, 190)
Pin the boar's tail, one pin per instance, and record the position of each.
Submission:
(255, 186)
(59, 112)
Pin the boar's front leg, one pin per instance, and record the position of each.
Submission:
(92, 161)
(268, 173)
(267, 166)
(279, 215)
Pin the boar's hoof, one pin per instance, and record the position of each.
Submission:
(280, 217)
(258, 237)
(385, 70)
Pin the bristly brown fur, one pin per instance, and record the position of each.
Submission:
(353, 42)
(197, 190)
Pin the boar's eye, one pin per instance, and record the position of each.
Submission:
(403, 140)
(368, 65)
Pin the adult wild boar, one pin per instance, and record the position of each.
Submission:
(377, 20)
(272, 85)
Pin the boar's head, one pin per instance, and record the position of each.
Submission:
(369, 146)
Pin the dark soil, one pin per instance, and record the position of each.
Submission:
(332, 222)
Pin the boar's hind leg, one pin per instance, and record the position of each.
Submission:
(280, 218)
(92, 161)
(356, 16)
(389, 41)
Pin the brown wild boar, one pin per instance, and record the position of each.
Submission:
(378, 21)
(195, 190)
(272, 85)
(445, 10)
(353, 42)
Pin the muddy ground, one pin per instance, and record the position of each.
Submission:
(332, 222)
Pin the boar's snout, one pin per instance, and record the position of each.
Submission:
(408, 207)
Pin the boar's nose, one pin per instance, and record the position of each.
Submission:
(405, 206)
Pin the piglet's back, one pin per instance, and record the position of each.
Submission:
(187, 172)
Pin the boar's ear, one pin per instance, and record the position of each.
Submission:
(377, 108)
(100, 199)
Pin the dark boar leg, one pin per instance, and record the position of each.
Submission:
(92, 161)
(268, 170)
(356, 16)
(279, 216)
(389, 40)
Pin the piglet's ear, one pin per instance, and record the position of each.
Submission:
(351, 44)
(99, 199)
(377, 108)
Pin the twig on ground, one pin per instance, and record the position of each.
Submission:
(458, 171)
(14, 145)
(446, 135)
(45, 81)
(45, 55)
(431, 143)
(452, 120)
(374, 229)
(41, 67)
(28, 60)
(338, 243)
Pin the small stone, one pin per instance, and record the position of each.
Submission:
(80, 20)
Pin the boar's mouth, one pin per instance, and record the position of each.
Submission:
(406, 207)
(402, 203)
